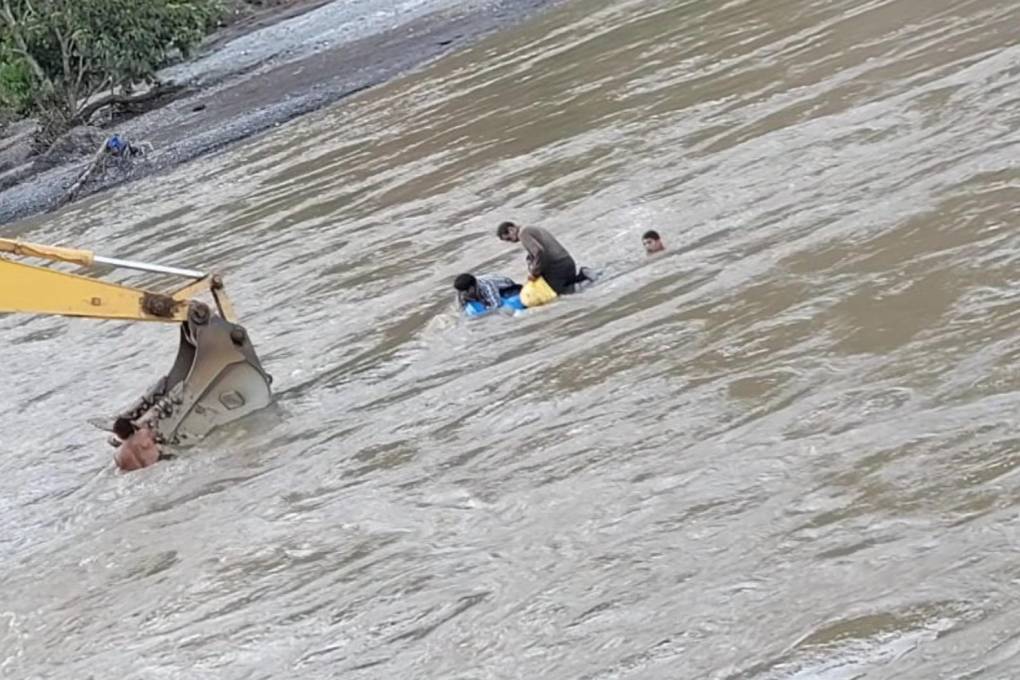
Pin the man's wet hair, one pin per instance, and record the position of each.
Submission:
(652, 235)
(504, 228)
(123, 428)
(464, 282)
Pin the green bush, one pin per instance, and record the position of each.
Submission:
(15, 87)
(74, 50)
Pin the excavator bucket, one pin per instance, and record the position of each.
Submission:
(216, 379)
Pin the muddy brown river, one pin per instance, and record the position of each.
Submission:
(786, 449)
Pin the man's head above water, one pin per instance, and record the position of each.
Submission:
(652, 242)
(509, 232)
(123, 428)
(465, 283)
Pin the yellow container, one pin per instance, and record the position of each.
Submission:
(536, 293)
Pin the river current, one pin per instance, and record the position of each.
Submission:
(783, 449)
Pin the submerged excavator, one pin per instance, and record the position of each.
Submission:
(217, 377)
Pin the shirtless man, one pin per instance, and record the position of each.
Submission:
(652, 242)
(139, 448)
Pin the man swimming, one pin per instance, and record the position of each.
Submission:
(546, 256)
(652, 242)
(138, 449)
(487, 289)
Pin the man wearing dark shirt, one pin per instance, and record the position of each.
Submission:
(546, 256)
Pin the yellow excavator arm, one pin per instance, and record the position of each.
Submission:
(41, 290)
(216, 378)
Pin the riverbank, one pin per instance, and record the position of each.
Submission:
(264, 70)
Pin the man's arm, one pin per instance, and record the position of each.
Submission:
(535, 250)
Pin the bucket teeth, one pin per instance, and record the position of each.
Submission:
(216, 379)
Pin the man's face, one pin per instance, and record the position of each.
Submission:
(123, 428)
(511, 235)
(652, 245)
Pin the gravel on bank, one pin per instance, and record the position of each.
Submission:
(313, 60)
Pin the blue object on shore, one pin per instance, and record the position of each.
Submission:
(475, 308)
(115, 145)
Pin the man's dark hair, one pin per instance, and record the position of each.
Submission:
(464, 282)
(651, 234)
(123, 428)
(504, 228)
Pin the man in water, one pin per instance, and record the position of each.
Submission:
(652, 242)
(139, 448)
(546, 256)
(487, 289)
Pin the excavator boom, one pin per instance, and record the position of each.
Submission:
(38, 290)
(216, 377)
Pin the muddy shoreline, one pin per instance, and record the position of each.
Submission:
(270, 69)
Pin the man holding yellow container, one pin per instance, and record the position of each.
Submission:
(551, 269)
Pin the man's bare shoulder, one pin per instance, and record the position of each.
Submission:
(126, 457)
(138, 451)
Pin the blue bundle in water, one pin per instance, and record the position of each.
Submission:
(475, 308)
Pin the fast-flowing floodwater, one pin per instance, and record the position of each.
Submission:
(785, 449)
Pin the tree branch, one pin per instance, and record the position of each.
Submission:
(21, 45)
(93, 91)
(109, 100)
(81, 71)
(70, 92)
(96, 161)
